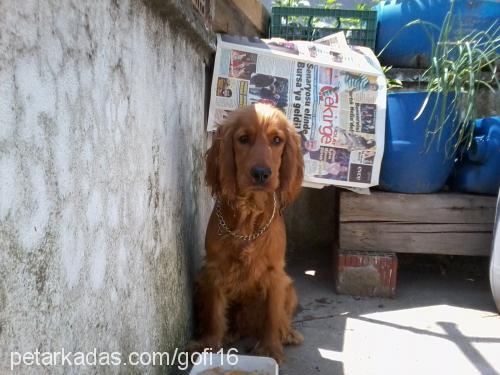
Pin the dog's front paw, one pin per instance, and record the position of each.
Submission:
(293, 337)
(269, 350)
(206, 344)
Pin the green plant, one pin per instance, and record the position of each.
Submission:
(392, 83)
(306, 21)
(291, 3)
(332, 4)
(460, 66)
(362, 6)
(293, 20)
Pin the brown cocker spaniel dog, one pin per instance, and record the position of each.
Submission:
(254, 168)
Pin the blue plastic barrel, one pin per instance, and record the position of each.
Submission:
(479, 170)
(406, 166)
(412, 47)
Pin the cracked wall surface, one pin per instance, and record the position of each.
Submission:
(102, 201)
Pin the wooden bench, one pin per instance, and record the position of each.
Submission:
(381, 223)
(443, 223)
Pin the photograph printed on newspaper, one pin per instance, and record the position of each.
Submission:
(333, 94)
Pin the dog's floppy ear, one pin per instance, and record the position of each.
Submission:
(220, 168)
(292, 168)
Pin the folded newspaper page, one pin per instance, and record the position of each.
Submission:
(334, 95)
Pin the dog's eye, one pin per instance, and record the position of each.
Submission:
(276, 140)
(244, 139)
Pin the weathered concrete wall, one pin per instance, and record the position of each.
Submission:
(102, 201)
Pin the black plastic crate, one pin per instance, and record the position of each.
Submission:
(295, 23)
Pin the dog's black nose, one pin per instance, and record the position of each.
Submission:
(260, 174)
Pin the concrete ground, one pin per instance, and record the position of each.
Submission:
(443, 321)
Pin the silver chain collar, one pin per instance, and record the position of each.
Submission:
(250, 237)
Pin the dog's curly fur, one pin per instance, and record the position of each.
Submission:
(243, 289)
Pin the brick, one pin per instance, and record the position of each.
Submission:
(362, 273)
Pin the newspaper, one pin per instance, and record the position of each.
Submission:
(333, 94)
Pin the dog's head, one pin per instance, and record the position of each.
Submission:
(255, 149)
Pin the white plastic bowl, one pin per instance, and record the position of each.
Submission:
(262, 365)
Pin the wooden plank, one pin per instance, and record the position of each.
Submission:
(256, 12)
(417, 208)
(451, 239)
(237, 17)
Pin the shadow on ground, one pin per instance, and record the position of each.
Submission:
(443, 320)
